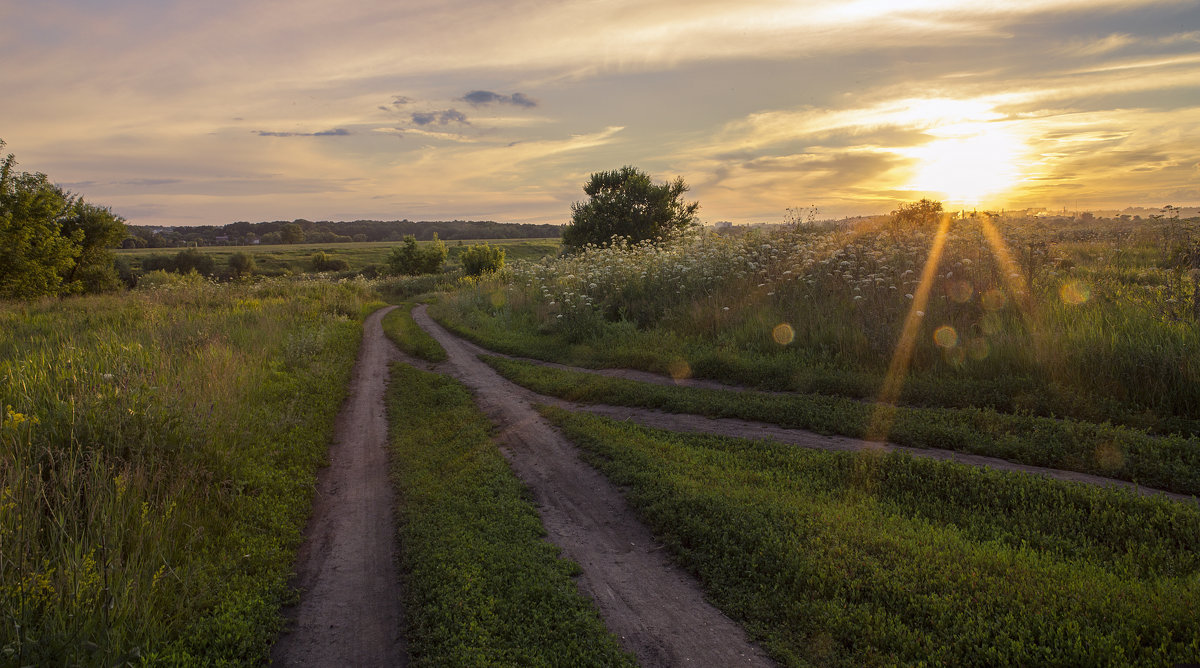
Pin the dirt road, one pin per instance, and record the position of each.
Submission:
(349, 612)
(657, 610)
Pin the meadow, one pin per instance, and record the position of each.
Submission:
(360, 257)
(161, 445)
(160, 450)
(1094, 323)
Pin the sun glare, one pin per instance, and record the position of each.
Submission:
(968, 162)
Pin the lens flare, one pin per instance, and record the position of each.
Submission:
(1075, 292)
(783, 334)
(885, 408)
(679, 369)
(945, 337)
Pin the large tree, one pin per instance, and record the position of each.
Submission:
(51, 242)
(626, 203)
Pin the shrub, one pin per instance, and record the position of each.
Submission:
(322, 261)
(241, 264)
(411, 259)
(480, 259)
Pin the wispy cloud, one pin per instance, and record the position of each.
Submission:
(443, 117)
(481, 98)
(336, 132)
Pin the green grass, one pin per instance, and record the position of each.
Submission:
(862, 559)
(158, 465)
(1169, 463)
(659, 350)
(482, 585)
(297, 258)
(400, 328)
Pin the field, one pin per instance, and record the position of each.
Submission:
(297, 258)
(161, 448)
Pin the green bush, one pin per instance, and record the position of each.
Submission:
(322, 261)
(412, 260)
(480, 259)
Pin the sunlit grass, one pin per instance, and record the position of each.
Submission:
(840, 559)
(154, 493)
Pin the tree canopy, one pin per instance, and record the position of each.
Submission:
(626, 203)
(52, 242)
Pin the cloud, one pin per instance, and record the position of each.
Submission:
(440, 117)
(336, 132)
(479, 98)
(401, 100)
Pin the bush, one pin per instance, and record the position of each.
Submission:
(241, 264)
(480, 259)
(191, 259)
(322, 261)
(411, 259)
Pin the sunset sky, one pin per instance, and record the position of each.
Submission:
(183, 113)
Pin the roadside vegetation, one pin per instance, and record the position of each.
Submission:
(159, 457)
(1095, 323)
(863, 559)
(370, 259)
(482, 585)
(1171, 463)
(400, 328)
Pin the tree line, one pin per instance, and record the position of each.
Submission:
(326, 232)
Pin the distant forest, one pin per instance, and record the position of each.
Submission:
(302, 231)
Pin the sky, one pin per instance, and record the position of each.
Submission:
(190, 113)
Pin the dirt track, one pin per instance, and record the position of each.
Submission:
(657, 611)
(349, 612)
(749, 429)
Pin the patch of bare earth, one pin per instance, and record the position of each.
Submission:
(658, 611)
(350, 611)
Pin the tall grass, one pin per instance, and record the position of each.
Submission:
(157, 464)
(1044, 327)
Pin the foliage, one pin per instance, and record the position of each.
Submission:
(860, 559)
(1104, 331)
(625, 203)
(153, 491)
(404, 332)
(483, 586)
(412, 259)
(322, 261)
(922, 215)
(1171, 463)
(291, 234)
(480, 259)
(241, 264)
(54, 243)
(244, 233)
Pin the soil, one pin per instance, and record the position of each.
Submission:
(656, 610)
(350, 612)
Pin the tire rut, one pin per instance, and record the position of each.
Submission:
(752, 429)
(657, 611)
(350, 612)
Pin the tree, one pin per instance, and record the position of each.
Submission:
(291, 234)
(922, 215)
(480, 259)
(626, 203)
(95, 268)
(411, 259)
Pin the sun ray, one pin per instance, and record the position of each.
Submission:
(885, 407)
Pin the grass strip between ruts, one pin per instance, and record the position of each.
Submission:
(400, 328)
(868, 559)
(1168, 463)
(482, 586)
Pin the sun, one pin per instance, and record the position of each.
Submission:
(968, 163)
